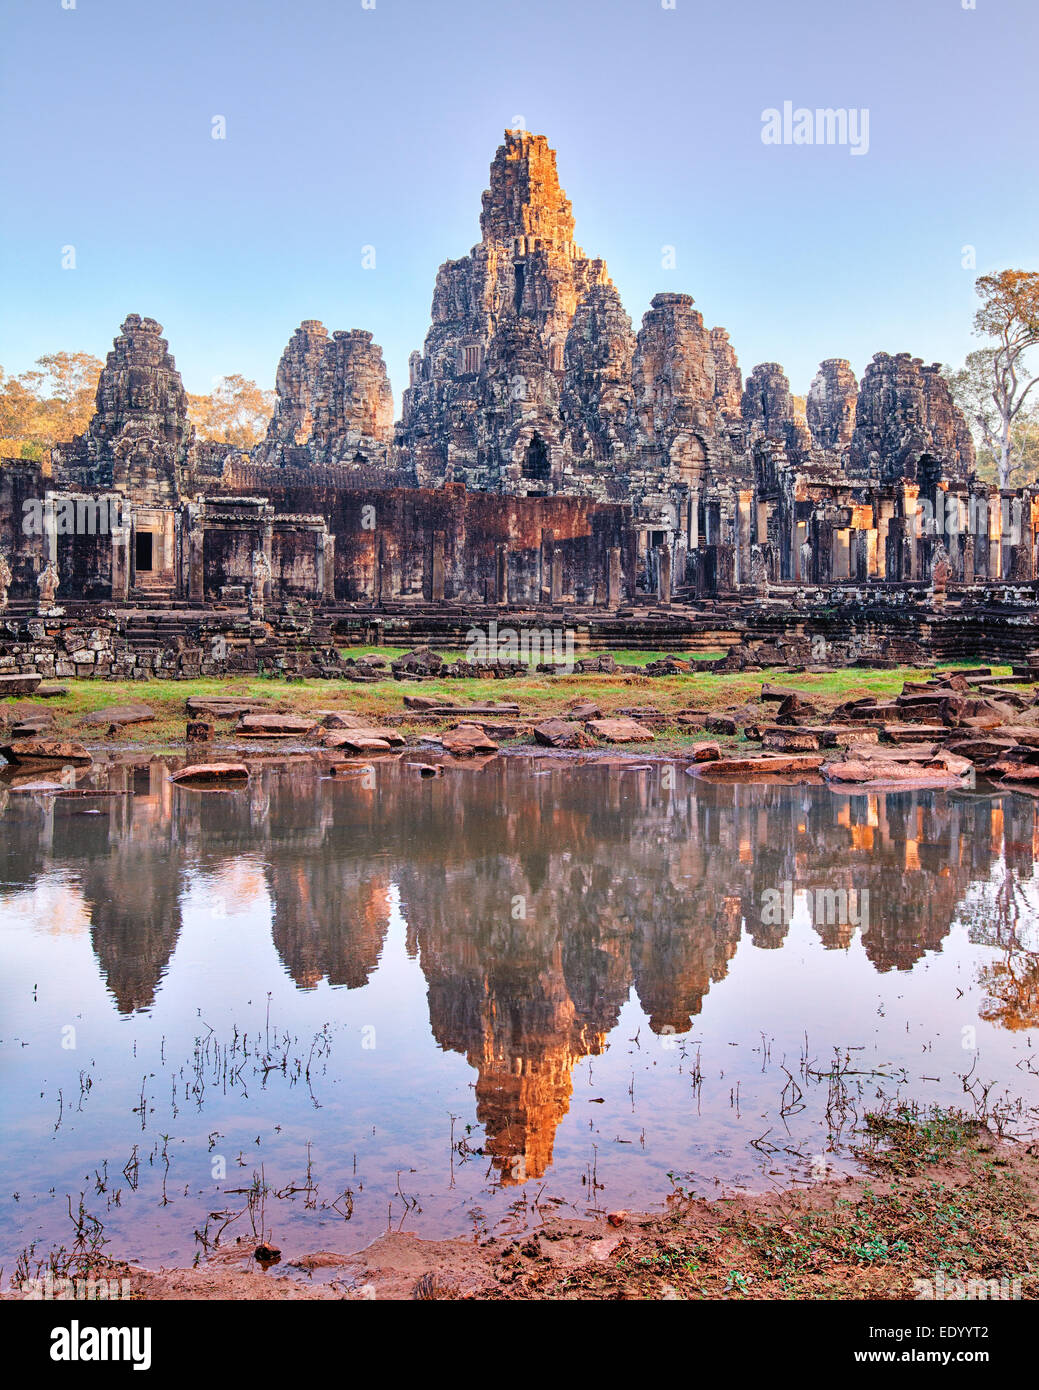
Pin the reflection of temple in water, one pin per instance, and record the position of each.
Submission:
(534, 904)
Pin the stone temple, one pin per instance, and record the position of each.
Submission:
(548, 456)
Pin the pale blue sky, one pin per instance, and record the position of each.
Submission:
(349, 127)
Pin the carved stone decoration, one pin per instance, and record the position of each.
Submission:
(675, 376)
(262, 574)
(47, 583)
(806, 562)
(772, 412)
(5, 581)
(907, 425)
(941, 570)
(334, 403)
(140, 441)
(758, 570)
(830, 407)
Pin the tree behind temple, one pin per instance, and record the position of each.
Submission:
(48, 404)
(972, 386)
(236, 413)
(1009, 319)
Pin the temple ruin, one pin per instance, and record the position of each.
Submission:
(548, 457)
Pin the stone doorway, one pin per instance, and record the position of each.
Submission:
(536, 462)
(144, 552)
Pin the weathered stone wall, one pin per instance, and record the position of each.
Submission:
(20, 483)
(467, 547)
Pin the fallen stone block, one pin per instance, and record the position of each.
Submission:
(583, 709)
(913, 733)
(795, 707)
(424, 702)
(778, 692)
(466, 740)
(620, 730)
(46, 750)
(706, 753)
(18, 685)
(32, 726)
(721, 724)
(904, 753)
(762, 766)
(119, 715)
(226, 706)
(1021, 733)
(888, 770)
(198, 774)
(790, 741)
(339, 719)
(273, 726)
(370, 740)
(562, 733)
(981, 750)
(1015, 772)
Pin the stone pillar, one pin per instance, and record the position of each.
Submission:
(50, 532)
(824, 551)
(328, 567)
(995, 538)
(872, 553)
(557, 573)
(437, 572)
(912, 531)
(501, 574)
(196, 540)
(614, 578)
(120, 562)
(664, 574)
(380, 563)
(800, 539)
(887, 511)
(694, 519)
(743, 537)
(545, 585)
(842, 553)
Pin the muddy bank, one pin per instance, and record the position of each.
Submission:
(949, 1211)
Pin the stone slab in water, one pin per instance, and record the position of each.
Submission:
(46, 750)
(201, 773)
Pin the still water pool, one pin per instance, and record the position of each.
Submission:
(321, 1008)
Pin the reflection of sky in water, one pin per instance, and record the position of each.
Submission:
(384, 927)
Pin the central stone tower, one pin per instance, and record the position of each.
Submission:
(485, 404)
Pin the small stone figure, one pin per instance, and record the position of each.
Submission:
(5, 580)
(758, 569)
(806, 562)
(47, 583)
(262, 576)
(941, 569)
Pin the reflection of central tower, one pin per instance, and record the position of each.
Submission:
(531, 1042)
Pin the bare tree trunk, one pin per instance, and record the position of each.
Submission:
(1004, 454)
